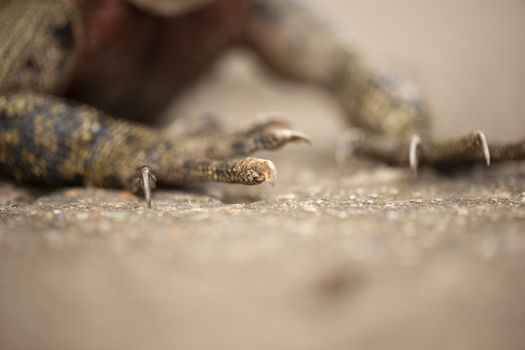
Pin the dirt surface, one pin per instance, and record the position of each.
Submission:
(364, 256)
(328, 260)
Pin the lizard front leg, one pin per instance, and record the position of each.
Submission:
(390, 120)
(47, 140)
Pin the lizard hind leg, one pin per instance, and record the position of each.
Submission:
(393, 120)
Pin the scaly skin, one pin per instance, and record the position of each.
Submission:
(77, 75)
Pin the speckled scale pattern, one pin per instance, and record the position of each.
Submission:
(56, 143)
(49, 141)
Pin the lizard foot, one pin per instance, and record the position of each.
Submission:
(418, 150)
(247, 171)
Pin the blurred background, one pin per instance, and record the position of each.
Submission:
(467, 57)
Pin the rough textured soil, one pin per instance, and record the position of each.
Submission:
(363, 257)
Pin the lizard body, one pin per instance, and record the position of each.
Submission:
(162, 55)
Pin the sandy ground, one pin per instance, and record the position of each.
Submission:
(364, 256)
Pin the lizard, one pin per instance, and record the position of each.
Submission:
(83, 83)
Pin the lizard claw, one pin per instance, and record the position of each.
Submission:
(292, 136)
(147, 182)
(413, 159)
(482, 140)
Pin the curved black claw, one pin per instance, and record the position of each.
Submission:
(413, 158)
(482, 139)
(147, 182)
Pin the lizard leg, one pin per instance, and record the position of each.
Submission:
(385, 110)
(295, 43)
(50, 141)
